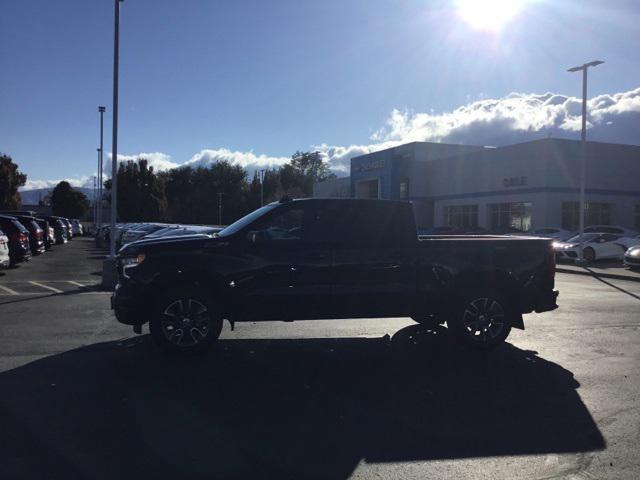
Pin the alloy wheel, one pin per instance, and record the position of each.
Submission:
(185, 322)
(483, 319)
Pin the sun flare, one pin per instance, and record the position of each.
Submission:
(491, 15)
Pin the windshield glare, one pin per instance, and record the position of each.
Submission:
(246, 220)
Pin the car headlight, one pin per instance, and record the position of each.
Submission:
(634, 253)
(131, 262)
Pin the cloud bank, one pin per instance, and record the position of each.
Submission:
(518, 117)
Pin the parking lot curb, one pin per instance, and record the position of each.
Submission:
(589, 272)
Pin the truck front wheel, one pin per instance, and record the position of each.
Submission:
(481, 320)
(185, 322)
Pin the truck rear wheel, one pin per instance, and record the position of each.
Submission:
(185, 322)
(481, 320)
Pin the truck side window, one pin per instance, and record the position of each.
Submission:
(284, 226)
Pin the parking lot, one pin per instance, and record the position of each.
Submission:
(82, 397)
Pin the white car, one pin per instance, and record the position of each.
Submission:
(4, 251)
(76, 226)
(596, 246)
(551, 232)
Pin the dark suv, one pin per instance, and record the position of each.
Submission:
(19, 250)
(36, 234)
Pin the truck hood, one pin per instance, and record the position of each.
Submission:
(169, 244)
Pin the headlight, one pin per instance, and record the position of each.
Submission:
(634, 253)
(131, 262)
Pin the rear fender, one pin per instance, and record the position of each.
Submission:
(495, 280)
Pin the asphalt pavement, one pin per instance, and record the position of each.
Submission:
(82, 397)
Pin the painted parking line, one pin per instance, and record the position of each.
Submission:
(8, 290)
(42, 285)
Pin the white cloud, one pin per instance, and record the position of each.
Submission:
(158, 160)
(77, 182)
(517, 117)
(520, 117)
(248, 160)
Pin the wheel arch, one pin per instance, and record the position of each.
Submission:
(491, 280)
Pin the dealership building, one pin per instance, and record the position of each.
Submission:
(525, 186)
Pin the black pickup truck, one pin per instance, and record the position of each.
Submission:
(332, 258)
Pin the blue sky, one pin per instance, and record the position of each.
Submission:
(270, 77)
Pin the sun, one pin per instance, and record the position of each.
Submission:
(490, 15)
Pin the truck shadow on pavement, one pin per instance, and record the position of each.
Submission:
(303, 408)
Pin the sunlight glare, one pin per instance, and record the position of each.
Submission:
(491, 15)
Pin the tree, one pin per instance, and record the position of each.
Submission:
(192, 193)
(305, 169)
(10, 180)
(141, 192)
(68, 202)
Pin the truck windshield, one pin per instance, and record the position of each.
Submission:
(246, 220)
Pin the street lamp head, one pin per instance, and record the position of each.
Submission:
(102, 109)
(579, 68)
(594, 63)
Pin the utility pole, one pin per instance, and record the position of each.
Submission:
(95, 210)
(220, 208)
(583, 145)
(114, 137)
(262, 187)
(101, 109)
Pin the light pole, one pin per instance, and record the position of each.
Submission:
(114, 136)
(583, 160)
(262, 187)
(95, 210)
(220, 208)
(101, 109)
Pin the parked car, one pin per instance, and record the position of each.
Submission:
(5, 261)
(36, 234)
(629, 242)
(140, 231)
(559, 234)
(632, 257)
(596, 246)
(67, 223)
(48, 235)
(616, 229)
(331, 258)
(76, 227)
(60, 230)
(184, 230)
(19, 249)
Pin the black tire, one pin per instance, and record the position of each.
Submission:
(589, 254)
(481, 320)
(185, 322)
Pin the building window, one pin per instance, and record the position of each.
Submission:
(510, 215)
(595, 213)
(404, 188)
(463, 216)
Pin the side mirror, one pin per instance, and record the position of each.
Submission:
(257, 236)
